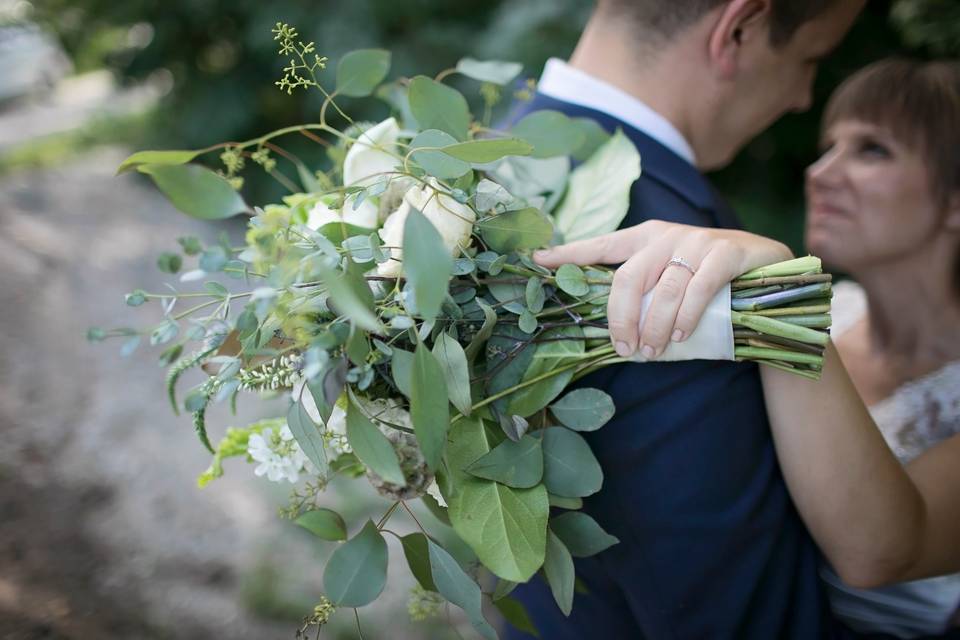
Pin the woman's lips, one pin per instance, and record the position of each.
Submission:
(819, 208)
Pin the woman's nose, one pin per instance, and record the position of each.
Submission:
(826, 170)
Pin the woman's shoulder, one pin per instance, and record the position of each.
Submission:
(849, 305)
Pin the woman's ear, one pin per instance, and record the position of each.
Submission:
(740, 22)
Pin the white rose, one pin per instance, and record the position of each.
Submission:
(363, 216)
(453, 220)
(374, 153)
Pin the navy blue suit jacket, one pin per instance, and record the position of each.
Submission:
(710, 543)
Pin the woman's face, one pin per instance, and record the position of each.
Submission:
(869, 199)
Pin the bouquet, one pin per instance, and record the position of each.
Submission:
(393, 300)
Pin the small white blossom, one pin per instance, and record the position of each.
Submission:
(279, 455)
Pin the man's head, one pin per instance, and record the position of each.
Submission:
(730, 67)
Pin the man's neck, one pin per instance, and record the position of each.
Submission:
(608, 54)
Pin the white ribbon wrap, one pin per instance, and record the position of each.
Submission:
(711, 340)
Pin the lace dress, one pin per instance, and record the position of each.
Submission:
(918, 415)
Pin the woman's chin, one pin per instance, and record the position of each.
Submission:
(826, 245)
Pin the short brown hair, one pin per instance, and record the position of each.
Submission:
(665, 18)
(918, 102)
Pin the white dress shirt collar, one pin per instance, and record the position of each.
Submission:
(563, 82)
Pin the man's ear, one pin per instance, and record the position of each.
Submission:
(739, 22)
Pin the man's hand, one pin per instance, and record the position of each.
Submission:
(716, 256)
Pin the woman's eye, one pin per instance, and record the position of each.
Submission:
(874, 149)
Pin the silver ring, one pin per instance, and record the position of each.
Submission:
(677, 261)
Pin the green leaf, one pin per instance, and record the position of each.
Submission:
(416, 550)
(581, 534)
(503, 589)
(157, 158)
(357, 571)
(495, 71)
(571, 279)
(327, 386)
(516, 614)
(550, 132)
(359, 72)
(570, 469)
(135, 298)
(351, 296)
(426, 263)
(594, 137)
(521, 229)
(401, 367)
(372, 447)
(456, 586)
(456, 370)
(584, 409)
(436, 162)
(486, 330)
(505, 527)
(169, 262)
(429, 406)
(440, 513)
(559, 502)
(558, 567)
(324, 523)
(534, 294)
(437, 106)
(528, 322)
(488, 150)
(515, 464)
(559, 348)
(307, 436)
(599, 192)
(195, 190)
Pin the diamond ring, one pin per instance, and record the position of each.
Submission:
(677, 261)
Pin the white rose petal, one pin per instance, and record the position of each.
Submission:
(433, 490)
(373, 153)
(452, 220)
(363, 216)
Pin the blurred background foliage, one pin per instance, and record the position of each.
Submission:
(220, 62)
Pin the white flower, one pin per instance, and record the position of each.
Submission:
(453, 220)
(363, 216)
(374, 153)
(279, 455)
(433, 489)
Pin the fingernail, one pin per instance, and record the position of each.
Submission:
(648, 352)
(541, 253)
(677, 336)
(623, 349)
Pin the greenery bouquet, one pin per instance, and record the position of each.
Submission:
(393, 300)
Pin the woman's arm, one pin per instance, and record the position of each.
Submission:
(876, 521)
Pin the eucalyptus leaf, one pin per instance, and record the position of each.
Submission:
(515, 464)
(416, 549)
(426, 263)
(429, 407)
(558, 567)
(584, 409)
(572, 280)
(495, 71)
(351, 296)
(308, 437)
(437, 106)
(581, 534)
(522, 229)
(401, 367)
(598, 196)
(505, 527)
(357, 571)
(456, 586)
(550, 132)
(574, 504)
(195, 190)
(488, 150)
(594, 137)
(560, 347)
(514, 612)
(359, 72)
(434, 161)
(324, 523)
(569, 467)
(486, 330)
(327, 386)
(168, 157)
(372, 447)
(457, 371)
